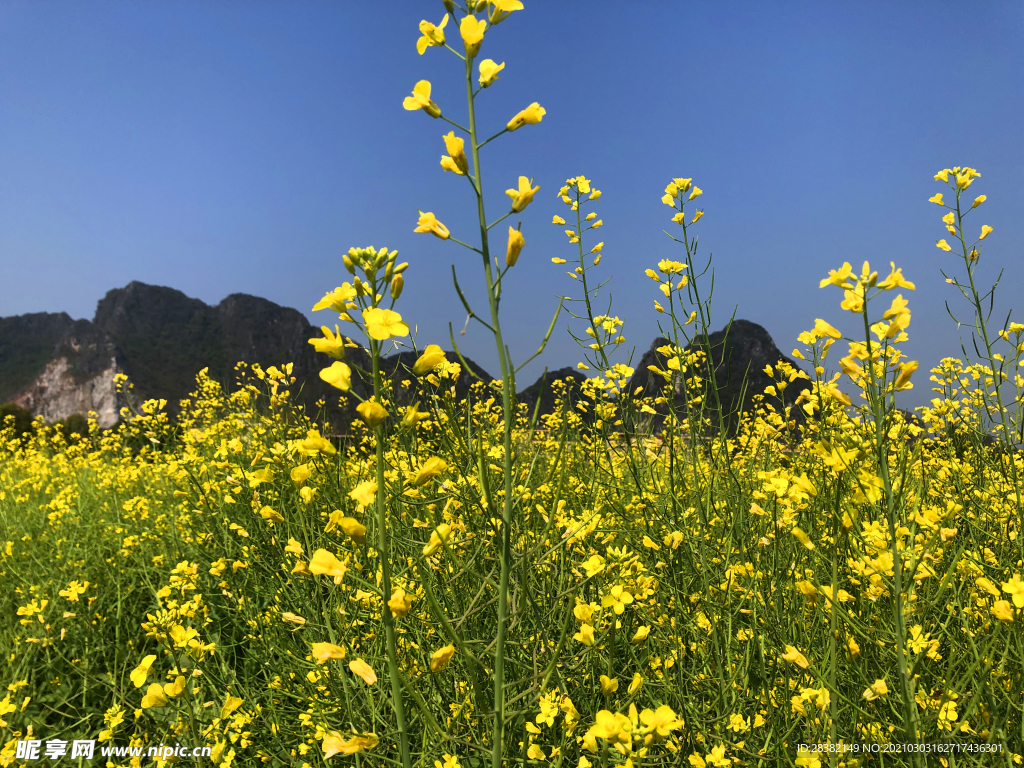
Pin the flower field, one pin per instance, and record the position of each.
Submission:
(637, 579)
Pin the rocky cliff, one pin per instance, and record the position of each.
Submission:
(740, 352)
(160, 338)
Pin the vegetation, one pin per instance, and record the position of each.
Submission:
(624, 582)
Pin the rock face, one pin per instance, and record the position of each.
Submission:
(160, 338)
(543, 391)
(55, 366)
(740, 352)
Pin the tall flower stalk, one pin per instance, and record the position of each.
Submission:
(472, 30)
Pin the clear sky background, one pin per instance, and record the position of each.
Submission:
(222, 147)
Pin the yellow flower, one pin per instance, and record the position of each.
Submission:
(154, 697)
(943, 245)
(450, 761)
(456, 147)
(979, 200)
(323, 562)
(660, 723)
(943, 175)
(324, 652)
(906, 370)
(335, 744)
(516, 241)
(502, 8)
(697, 191)
(489, 72)
(636, 684)
(336, 299)
(641, 634)
(292, 618)
(231, 703)
(400, 603)
(803, 538)
(878, 688)
(532, 115)
(271, 515)
(439, 659)
(738, 723)
(895, 279)
(585, 635)
(371, 412)
(176, 688)
(430, 469)
(523, 196)
(1015, 589)
(617, 599)
(986, 230)
(352, 527)
(794, 656)
(670, 267)
(141, 672)
(853, 301)
(332, 344)
(364, 494)
(1002, 610)
(609, 684)
(183, 637)
(338, 376)
(936, 198)
(300, 473)
(432, 357)
(437, 537)
(839, 396)
(382, 324)
(429, 223)
(413, 416)
(472, 30)
(361, 669)
(840, 277)
(535, 753)
(420, 99)
(593, 565)
(822, 329)
(432, 35)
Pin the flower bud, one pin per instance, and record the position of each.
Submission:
(515, 246)
(396, 286)
(449, 6)
(348, 264)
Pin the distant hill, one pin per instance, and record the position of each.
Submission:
(160, 338)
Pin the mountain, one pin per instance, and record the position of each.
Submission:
(740, 352)
(160, 339)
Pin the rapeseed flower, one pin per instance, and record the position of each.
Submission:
(456, 162)
(516, 241)
(489, 72)
(372, 413)
(522, 196)
(362, 670)
(532, 115)
(431, 35)
(439, 659)
(472, 30)
(338, 376)
(420, 99)
(429, 223)
(384, 324)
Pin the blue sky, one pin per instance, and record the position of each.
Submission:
(222, 147)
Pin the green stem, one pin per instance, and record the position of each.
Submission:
(384, 554)
(498, 733)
